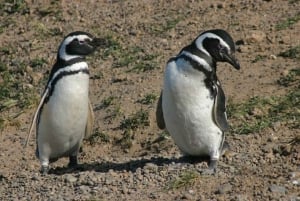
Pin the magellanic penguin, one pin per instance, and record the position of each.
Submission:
(65, 115)
(192, 103)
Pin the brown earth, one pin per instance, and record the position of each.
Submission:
(142, 162)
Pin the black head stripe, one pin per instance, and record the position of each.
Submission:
(62, 63)
(75, 48)
(76, 33)
(224, 35)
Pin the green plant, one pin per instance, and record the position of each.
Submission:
(98, 136)
(38, 62)
(292, 53)
(148, 99)
(139, 119)
(290, 78)
(14, 6)
(185, 179)
(108, 101)
(288, 22)
(259, 58)
(258, 113)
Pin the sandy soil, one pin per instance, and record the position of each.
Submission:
(142, 162)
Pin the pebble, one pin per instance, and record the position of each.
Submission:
(224, 188)
(70, 178)
(255, 36)
(277, 189)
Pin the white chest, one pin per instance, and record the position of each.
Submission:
(64, 117)
(187, 108)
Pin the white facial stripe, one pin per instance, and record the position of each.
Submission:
(198, 60)
(77, 66)
(199, 41)
(62, 51)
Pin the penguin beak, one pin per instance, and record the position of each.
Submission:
(99, 42)
(230, 58)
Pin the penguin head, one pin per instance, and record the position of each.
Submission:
(78, 44)
(219, 45)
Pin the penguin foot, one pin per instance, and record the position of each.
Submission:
(73, 162)
(212, 168)
(225, 148)
(45, 169)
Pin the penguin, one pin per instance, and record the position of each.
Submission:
(192, 103)
(65, 115)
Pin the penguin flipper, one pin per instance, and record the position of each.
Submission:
(159, 113)
(219, 112)
(36, 115)
(90, 122)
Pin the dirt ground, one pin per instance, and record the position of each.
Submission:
(128, 157)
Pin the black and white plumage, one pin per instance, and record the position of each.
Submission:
(192, 103)
(64, 115)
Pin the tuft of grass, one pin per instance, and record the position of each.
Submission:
(148, 99)
(259, 58)
(292, 53)
(258, 113)
(108, 101)
(137, 120)
(98, 136)
(114, 48)
(158, 29)
(14, 6)
(38, 62)
(290, 79)
(184, 180)
(288, 22)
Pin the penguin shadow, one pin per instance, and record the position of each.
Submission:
(131, 165)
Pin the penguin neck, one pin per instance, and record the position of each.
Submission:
(67, 62)
(196, 56)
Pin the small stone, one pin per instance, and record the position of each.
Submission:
(224, 188)
(70, 178)
(277, 189)
(255, 36)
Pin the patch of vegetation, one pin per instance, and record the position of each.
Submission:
(130, 124)
(292, 53)
(186, 179)
(43, 32)
(137, 120)
(288, 22)
(113, 49)
(293, 1)
(148, 99)
(259, 113)
(53, 9)
(38, 62)
(98, 136)
(290, 79)
(127, 57)
(259, 58)
(14, 6)
(144, 64)
(108, 101)
(165, 26)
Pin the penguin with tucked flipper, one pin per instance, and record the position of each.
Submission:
(192, 103)
(65, 115)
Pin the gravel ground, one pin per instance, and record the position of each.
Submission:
(142, 163)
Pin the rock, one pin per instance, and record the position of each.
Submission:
(255, 36)
(70, 178)
(277, 189)
(224, 188)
